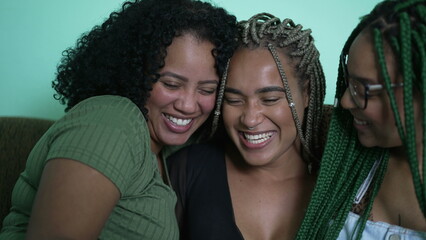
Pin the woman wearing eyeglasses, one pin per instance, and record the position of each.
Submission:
(371, 181)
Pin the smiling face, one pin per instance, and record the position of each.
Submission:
(184, 95)
(255, 99)
(376, 124)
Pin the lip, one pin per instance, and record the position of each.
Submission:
(177, 124)
(360, 124)
(256, 140)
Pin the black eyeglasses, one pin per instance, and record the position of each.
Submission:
(360, 91)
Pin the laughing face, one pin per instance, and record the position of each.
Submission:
(184, 95)
(255, 109)
(376, 123)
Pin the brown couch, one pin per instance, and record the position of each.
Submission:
(18, 135)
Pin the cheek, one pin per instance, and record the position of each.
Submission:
(381, 111)
(156, 96)
(207, 103)
(156, 101)
(229, 115)
(284, 118)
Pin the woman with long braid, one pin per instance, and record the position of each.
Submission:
(373, 166)
(256, 181)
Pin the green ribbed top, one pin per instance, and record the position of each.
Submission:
(110, 134)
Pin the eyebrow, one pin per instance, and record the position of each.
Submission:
(270, 89)
(184, 79)
(261, 90)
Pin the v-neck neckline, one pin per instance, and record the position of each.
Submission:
(229, 198)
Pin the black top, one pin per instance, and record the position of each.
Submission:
(204, 206)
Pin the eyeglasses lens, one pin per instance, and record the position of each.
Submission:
(356, 88)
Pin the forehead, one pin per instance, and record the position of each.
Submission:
(363, 59)
(188, 45)
(190, 58)
(255, 68)
(362, 46)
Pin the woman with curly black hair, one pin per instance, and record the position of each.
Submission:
(142, 81)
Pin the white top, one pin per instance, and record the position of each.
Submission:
(376, 230)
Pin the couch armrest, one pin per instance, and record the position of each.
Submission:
(18, 135)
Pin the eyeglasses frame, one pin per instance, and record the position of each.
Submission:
(367, 87)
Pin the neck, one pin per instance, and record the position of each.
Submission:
(156, 147)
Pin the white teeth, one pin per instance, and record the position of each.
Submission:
(258, 138)
(178, 121)
(359, 122)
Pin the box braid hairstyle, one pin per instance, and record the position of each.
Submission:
(264, 30)
(346, 163)
(123, 55)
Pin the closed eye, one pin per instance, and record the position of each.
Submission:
(232, 101)
(207, 91)
(270, 101)
(170, 85)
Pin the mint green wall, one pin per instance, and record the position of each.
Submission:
(34, 33)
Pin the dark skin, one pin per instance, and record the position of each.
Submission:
(276, 203)
(268, 179)
(64, 209)
(396, 202)
(74, 201)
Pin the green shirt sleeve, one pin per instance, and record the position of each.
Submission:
(108, 133)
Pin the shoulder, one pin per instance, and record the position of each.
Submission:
(106, 105)
(108, 133)
(100, 124)
(105, 120)
(106, 111)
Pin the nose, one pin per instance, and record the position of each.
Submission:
(347, 102)
(187, 103)
(252, 115)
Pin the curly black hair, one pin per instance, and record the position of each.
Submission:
(123, 55)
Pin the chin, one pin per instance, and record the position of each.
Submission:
(368, 142)
(382, 141)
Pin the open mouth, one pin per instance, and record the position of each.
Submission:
(178, 121)
(257, 138)
(360, 122)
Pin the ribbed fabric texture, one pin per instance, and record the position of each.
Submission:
(110, 134)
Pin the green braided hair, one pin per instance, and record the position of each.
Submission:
(346, 163)
(267, 31)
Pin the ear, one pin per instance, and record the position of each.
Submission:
(306, 100)
(306, 95)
